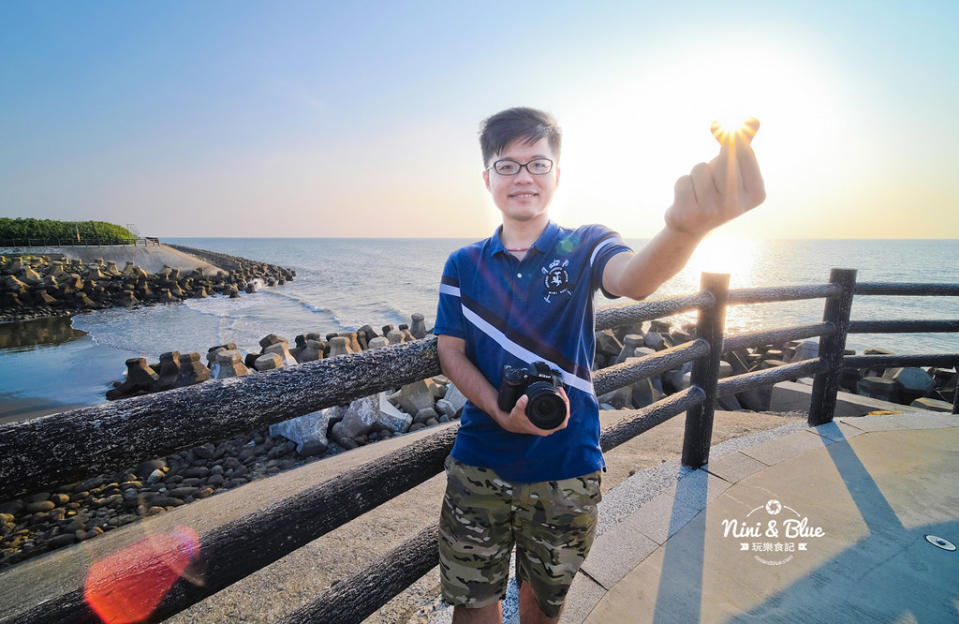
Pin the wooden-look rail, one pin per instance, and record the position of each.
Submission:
(87, 441)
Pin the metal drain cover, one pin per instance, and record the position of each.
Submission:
(941, 542)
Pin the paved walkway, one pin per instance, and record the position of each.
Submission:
(823, 524)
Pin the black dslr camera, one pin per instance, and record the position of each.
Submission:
(546, 408)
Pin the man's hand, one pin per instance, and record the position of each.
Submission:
(517, 422)
(721, 190)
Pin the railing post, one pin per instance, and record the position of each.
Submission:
(699, 419)
(822, 407)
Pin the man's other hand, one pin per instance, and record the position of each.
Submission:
(516, 421)
(722, 189)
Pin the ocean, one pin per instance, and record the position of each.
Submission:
(346, 283)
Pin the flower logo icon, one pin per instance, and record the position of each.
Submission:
(773, 507)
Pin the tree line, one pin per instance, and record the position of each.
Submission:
(22, 228)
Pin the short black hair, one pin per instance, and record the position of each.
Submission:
(528, 124)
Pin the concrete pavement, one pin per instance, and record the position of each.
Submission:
(825, 524)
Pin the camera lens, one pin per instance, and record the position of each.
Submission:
(546, 408)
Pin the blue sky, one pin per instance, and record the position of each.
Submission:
(324, 119)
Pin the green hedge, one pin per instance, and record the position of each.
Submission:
(49, 229)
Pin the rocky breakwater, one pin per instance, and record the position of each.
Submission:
(928, 388)
(246, 270)
(63, 515)
(49, 285)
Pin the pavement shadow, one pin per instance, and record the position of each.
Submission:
(679, 596)
(887, 576)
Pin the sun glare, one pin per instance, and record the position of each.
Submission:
(636, 133)
(723, 255)
(726, 125)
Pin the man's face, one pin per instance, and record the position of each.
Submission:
(524, 196)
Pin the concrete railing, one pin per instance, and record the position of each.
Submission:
(75, 444)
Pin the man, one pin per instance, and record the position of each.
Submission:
(525, 295)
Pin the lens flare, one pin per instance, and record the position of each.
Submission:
(128, 585)
(730, 126)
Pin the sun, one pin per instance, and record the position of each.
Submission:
(734, 125)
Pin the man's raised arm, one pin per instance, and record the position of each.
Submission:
(712, 194)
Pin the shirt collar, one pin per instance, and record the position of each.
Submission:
(543, 244)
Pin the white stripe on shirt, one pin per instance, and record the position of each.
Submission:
(521, 352)
(608, 241)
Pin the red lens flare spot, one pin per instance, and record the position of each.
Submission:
(128, 585)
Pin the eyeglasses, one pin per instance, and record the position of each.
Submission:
(537, 166)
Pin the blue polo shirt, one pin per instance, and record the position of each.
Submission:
(517, 312)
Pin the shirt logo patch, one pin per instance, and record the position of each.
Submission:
(556, 279)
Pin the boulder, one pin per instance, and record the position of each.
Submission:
(619, 398)
(455, 398)
(725, 369)
(608, 344)
(126, 299)
(271, 339)
(413, 397)
(660, 327)
(389, 417)
(139, 373)
(268, 361)
(339, 345)
(445, 408)
(140, 379)
(169, 370)
(30, 277)
(654, 340)
(395, 336)
(729, 403)
(84, 301)
(358, 420)
(645, 392)
(913, 382)
(631, 342)
(283, 350)
(364, 335)
(678, 336)
(310, 352)
(425, 415)
(12, 284)
(191, 370)
(211, 354)
(643, 351)
(378, 342)
(879, 388)
(805, 350)
(673, 379)
(309, 432)
(352, 340)
(145, 469)
(228, 363)
(418, 328)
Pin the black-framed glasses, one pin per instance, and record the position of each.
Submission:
(537, 166)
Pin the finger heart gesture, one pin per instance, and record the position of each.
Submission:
(722, 189)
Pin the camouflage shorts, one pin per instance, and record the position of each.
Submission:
(551, 522)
